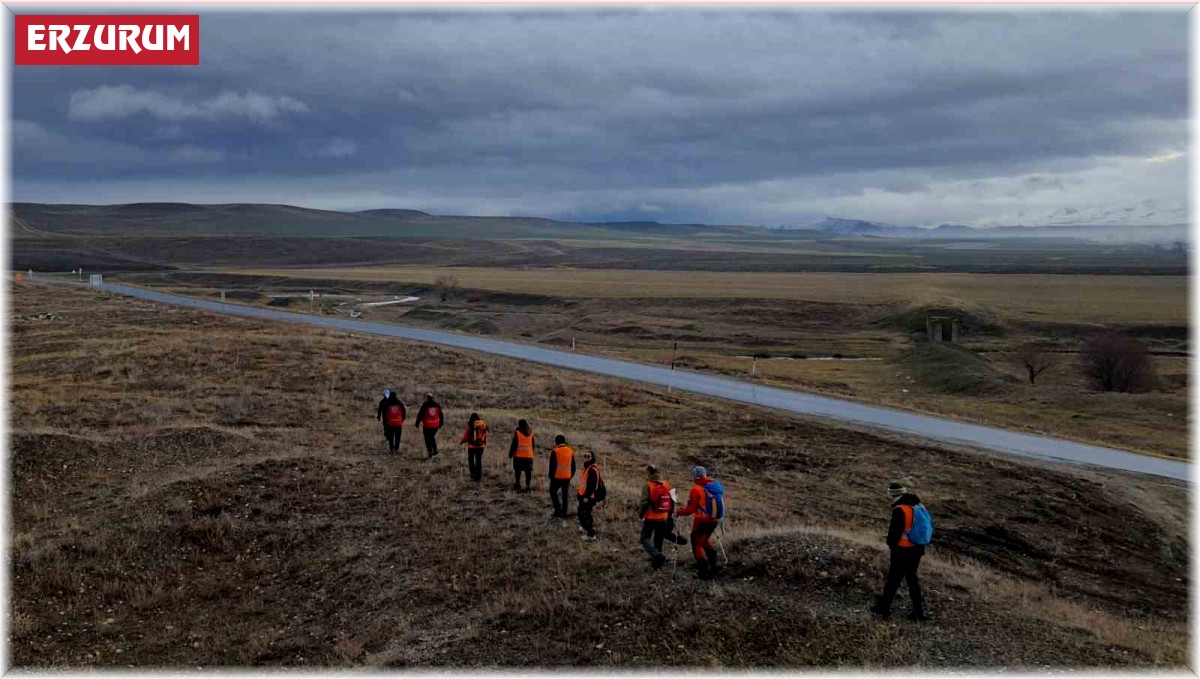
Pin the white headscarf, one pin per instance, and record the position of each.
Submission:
(387, 392)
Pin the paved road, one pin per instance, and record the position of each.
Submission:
(924, 426)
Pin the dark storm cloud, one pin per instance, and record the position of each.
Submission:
(675, 114)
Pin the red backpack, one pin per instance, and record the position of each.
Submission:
(660, 497)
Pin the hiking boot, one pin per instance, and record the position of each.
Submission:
(680, 540)
(881, 613)
(589, 538)
(658, 561)
(703, 571)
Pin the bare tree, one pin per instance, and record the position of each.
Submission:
(1035, 359)
(1115, 362)
(447, 285)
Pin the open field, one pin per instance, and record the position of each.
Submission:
(153, 236)
(862, 326)
(197, 490)
(1050, 298)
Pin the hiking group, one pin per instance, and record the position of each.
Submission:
(910, 529)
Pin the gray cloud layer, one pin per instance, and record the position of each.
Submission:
(749, 117)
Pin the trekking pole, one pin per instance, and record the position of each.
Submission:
(720, 542)
(674, 549)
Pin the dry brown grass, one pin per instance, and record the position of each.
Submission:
(246, 515)
(1043, 297)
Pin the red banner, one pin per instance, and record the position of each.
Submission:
(107, 40)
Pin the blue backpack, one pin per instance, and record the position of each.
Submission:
(714, 500)
(922, 526)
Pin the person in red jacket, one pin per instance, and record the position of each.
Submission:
(704, 524)
(429, 420)
(475, 438)
(392, 412)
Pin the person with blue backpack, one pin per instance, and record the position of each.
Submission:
(910, 530)
(706, 504)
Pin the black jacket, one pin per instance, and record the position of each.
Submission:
(426, 406)
(589, 491)
(896, 528)
(381, 412)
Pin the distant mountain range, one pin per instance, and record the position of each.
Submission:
(1094, 232)
(147, 219)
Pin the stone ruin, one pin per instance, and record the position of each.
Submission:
(942, 328)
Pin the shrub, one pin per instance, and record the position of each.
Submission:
(1114, 362)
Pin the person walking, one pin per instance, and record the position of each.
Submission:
(475, 438)
(910, 530)
(393, 421)
(706, 503)
(429, 420)
(561, 470)
(520, 451)
(381, 411)
(656, 510)
(591, 493)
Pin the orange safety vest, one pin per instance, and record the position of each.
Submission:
(524, 445)
(653, 514)
(563, 456)
(583, 478)
(908, 519)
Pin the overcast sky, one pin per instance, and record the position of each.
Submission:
(748, 117)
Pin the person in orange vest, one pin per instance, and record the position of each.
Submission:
(475, 438)
(905, 556)
(561, 470)
(706, 502)
(521, 453)
(591, 493)
(429, 420)
(393, 420)
(657, 508)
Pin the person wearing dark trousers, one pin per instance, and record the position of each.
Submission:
(520, 451)
(380, 411)
(393, 421)
(905, 556)
(561, 470)
(591, 491)
(379, 415)
(705, 503)
(475, 438)
(656, 511)
(429, 419)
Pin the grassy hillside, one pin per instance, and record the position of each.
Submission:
(286, 220)
(190, 489)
